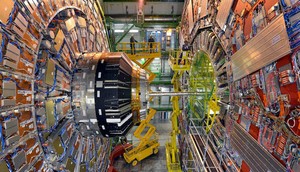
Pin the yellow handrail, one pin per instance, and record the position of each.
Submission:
(213, 106)
(178, 60)
(139, 49)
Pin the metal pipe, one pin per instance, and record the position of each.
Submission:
(122, 19)
(177, 94)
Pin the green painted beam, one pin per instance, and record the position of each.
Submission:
(146, 24)
(161, 82)
(158, 108)
(124, 34)
(158, 24)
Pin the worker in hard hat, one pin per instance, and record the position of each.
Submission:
(185, 48)
(132, 44)
(150, 40)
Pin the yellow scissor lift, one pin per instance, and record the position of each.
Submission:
(148, 142)
(141, 50)
(179, 63)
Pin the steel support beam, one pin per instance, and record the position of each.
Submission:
(177, 94)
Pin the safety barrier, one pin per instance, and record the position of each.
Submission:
(140, 50)
(178, 60)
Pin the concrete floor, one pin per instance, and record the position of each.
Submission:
(154, 163)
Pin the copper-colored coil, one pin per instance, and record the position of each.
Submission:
(253, 76)
(254, 82)
(39, 82)
(256, 114)
(283, 74)
(255, 118)
(281, 144)
(283, 140)
(286, 73)
(256, 110)
(41, 126)
(41, 60)
(285, 80)
(279, 150)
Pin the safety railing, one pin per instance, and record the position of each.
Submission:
(189, 165)
(206, 147)
(197, 158)
(178, 60)
(189, 162)
(139, 50)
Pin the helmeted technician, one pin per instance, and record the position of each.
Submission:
(132, 44)
(151, 40)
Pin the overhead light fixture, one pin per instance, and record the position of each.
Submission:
(119, 31)
(119, 25)
(134, 31)
(169, 32)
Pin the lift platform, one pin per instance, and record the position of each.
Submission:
(141, 51)
(148, 143)
(178, 60)
(179, 63)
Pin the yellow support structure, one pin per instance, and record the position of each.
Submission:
(178, 60)
(172, 152)
(141, 50)
(212, 106)
(179, 63)
(148, 144)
